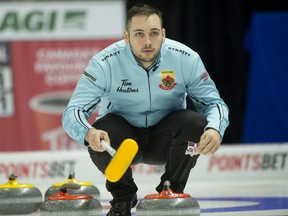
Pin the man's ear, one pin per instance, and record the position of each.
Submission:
(163, 34)
(126, 36)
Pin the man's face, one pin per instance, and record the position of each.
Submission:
(145, 37)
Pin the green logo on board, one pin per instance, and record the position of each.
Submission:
(39, 20)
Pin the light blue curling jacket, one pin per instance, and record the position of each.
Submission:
(114, 82)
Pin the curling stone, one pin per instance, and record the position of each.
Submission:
(168, 203)
(63, 203)
(18, 198)
(86, 188)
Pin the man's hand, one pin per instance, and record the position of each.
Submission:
(209, 142)
(94, 136)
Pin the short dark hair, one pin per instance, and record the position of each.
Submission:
(142, 9)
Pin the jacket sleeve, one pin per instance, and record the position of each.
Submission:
(205, 96)
(87, 94)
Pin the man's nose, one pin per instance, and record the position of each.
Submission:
(147, 42)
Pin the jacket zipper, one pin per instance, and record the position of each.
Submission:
(149, 89)
(153, 67)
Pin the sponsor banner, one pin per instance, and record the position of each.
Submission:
(251, 162)
(45, 169)
(36, 89)
(44, 49)
(231, 163)
(61, 20)
(6, 90)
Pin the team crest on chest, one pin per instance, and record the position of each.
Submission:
(168, 80)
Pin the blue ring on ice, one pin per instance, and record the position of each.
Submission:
(257, 203)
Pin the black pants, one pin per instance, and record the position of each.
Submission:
(164, 143)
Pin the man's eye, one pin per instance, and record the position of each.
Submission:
(139, 34)
(155, 33)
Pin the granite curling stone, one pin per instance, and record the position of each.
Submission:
(63, 203)
(86, 188)
(168, 203)
(18, 198)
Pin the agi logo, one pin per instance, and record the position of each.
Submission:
(74, 20)
(39, 21)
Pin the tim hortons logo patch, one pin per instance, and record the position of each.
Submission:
(167, 79)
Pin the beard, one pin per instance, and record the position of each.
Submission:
(144, 59)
